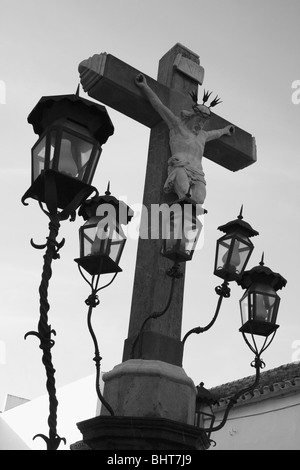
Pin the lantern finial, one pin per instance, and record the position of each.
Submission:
(262, 259)
(107, 192)
(240, 216)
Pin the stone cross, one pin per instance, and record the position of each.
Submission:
(112, 82)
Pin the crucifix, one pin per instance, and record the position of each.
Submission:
(115, 84)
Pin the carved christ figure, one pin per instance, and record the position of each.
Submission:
(187, 142)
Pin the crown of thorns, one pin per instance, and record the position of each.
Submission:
(205, 98)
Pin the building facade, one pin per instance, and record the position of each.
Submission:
(267, 419)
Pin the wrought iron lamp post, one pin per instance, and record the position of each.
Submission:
(64, 159)
(102, 241)
(233, 251)
(259, 308)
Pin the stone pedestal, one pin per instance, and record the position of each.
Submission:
(135, 433)
(154, 409)
(148, 388)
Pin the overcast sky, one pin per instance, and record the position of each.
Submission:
(249, 52)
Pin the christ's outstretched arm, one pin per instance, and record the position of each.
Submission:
(164, 112)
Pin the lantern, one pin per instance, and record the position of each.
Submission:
(260, 303)
(181, 230)
(71, 132)
(102, 238)
(234, 249)
(204, 415)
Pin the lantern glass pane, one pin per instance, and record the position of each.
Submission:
(244, 305)
(266, 305)
(118, 240)
(116, 248)
(88, 177)
(52, 139)
(240, 254)
(176, 223)
(38, 158)
(204, 420)
(223, 249)
(88, 239)
(100, 238)
(233, 252)
(94, 237)
(172, 229)
(74, 155)
(191, 232)
(181, 231)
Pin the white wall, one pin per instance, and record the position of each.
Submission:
(270, 424)
(76, 402)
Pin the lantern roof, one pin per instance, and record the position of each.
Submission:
(205, 396)
(89, 207)
(87, 113)
(238, 225)
(262, 274)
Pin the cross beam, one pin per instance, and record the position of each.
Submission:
(111, 81)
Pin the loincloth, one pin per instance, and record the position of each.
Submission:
(194, 175)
